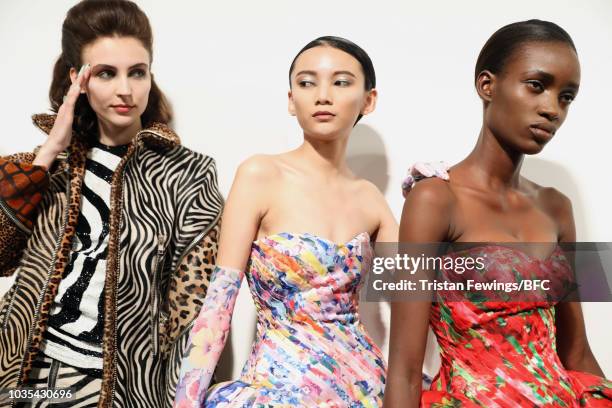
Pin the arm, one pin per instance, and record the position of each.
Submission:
(241, 217)
(199, 222)
(425, 218)
(21, 187)
(24, 177)
(60, 134)
(572, 343)
(208, 337)
(387, 228)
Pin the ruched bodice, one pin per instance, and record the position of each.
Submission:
(311, 349)
(301, 277)
(502, 353)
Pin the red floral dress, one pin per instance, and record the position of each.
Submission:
(503, 353)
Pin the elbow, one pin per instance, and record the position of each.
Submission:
(403, 389)
(409, 375)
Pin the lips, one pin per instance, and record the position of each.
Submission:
(543, 130)
(122, 108)
(323, 115)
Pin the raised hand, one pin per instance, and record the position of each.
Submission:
(61, 133)
(421, 170)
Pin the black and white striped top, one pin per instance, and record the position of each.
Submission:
(76, 321)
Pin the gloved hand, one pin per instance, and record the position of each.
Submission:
(421, 170)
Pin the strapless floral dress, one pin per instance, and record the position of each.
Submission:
(503, 353)
(311, 349)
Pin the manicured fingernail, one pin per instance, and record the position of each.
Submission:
(83, 68)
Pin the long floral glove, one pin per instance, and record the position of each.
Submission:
(421, 170)
(208, 337)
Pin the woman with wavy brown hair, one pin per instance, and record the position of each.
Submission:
(110, 226)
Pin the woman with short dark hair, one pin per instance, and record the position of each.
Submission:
(524, 349)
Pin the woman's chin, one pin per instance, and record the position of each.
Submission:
(120, 122)
(533, 148)
(324, 135)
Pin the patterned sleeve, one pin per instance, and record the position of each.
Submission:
(21, 187)
(208, 337)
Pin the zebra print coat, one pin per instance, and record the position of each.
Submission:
(165, 218)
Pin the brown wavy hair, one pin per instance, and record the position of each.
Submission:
(86, 22)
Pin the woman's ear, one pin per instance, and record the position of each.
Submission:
(370, 102)
(485, 85)
(291, 106)
(73, 74)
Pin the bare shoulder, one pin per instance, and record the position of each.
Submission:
(431, 192)
(253, 185)
(369, 191)
(427, 213)
(550, 199)
(258, 169)
(558, 206)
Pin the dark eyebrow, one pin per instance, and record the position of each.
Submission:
(573, 86)
(306, 73)
(106, 66)
(547, 77)
(140, 65)
(542, 74)
(335, 73)
(344, 73)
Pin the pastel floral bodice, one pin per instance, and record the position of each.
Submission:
(311, 348)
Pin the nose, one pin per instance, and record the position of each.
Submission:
(123, 86)
(550, 108)
(323, 95)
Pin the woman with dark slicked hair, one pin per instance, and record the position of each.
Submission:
(533, 350)
(299, 226)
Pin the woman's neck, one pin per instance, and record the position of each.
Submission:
(328, 156)
(498, 166)
(114, 136)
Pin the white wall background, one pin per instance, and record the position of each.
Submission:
(224, 67)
